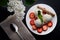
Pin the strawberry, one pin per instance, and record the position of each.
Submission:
(39, 30)
(32, 22)
(34, 27)
(45, 27)
(32, 15)
(44, 11)
(50, 24)
(35, 18)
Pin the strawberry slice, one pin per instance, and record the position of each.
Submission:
(45, 27)
(34, 27)
(32, 15)
(32, 22)
(39, 30)
(50, 24)
(35, 18)
(44, 11)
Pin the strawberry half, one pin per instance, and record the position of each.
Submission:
(32, 15)
(39, 30)
(32, 22)
(34, 27)
(45, 27)
(50, 24)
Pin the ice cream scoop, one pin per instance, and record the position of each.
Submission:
(47, 18)
(38, 23)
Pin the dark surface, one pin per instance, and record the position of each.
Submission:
(4, 13)
(54, 35)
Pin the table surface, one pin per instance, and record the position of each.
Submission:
(54, 35)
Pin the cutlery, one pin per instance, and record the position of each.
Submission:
(14, 26)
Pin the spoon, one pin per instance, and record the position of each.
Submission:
(15, 28)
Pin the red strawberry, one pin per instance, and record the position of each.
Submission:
(44, 11)
(45, 27)
(50, 24)
(35, 18)
(32, 15)
(32, 22)
(34, 27)
(39, 30)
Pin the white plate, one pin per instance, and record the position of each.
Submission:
(54, 20)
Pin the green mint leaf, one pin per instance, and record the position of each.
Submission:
(40, 16)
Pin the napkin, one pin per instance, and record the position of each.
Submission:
(24, 32)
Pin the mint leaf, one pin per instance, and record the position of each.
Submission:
(3, 2)
(40, 16)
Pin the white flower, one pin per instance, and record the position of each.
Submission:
(10, 9)
(20, 15)
(16, 6)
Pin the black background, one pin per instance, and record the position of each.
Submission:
(54, 35)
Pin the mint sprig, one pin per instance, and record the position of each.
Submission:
(40, 16)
